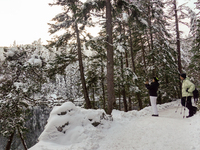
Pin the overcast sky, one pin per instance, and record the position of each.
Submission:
(25, 21)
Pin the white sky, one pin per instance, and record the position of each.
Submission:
(25, 21)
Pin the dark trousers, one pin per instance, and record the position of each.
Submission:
(186, 102)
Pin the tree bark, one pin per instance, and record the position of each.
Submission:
(178, 44)
(133, 69)
(123, 86)
(85, 92)
(139, 100)
(8, 146)
(119, 91)
(178, 38)
(143, 54)
(110, 62)
(131, 47)
(103, 88)
(22, 139)
(151, 34)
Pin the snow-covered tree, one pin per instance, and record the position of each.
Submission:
(22, 76)
(73, 21)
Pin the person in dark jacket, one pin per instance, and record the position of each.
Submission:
(153, 88)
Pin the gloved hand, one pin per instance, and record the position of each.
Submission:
(187, 90)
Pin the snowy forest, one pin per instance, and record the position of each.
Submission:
(137, 40)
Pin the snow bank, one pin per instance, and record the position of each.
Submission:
(69, 124)
(195, 131)
(74, 128)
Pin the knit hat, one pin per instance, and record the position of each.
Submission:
(156, 79)
(183, 75)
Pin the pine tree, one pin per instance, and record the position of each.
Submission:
(151, 40)
(176, 16)
(73, 20)
(96, 68)
(22, 76)
(195, 60)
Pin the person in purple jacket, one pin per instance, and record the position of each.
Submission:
(153, 88)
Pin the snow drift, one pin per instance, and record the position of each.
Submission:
(74, 128)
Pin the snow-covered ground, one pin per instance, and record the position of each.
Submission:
(1, 54)
(70, 128)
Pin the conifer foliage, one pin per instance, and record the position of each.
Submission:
(22, 76)
(73, 21)
(194, 65)
(141, 44)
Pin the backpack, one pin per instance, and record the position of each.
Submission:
(195, 94)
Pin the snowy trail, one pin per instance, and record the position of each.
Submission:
(133, 130)
(168, 131)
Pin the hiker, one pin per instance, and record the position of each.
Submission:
(187, 88)
(153, 88)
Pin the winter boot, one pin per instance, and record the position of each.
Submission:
(189, 116)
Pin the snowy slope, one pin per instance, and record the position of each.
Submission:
(134, 130)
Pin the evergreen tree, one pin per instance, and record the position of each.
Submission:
(152, 42)
(73, 20)
(193, 68)
(195, 60)
(179, 14)
(22, 75)
(96, 68)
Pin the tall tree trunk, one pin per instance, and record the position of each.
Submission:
(123, 86)
(93, 96)
(104, 98)
(128, 87)
(22, 139)
(103, 88)
(143, 53)
(110, 62)
(131, 47)
(178, 43)
(124, 99)
(8, 146)
(150, 32)
(133, 68)
(85, 92)
(139, 100)
(119, 91)
(178, 38)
